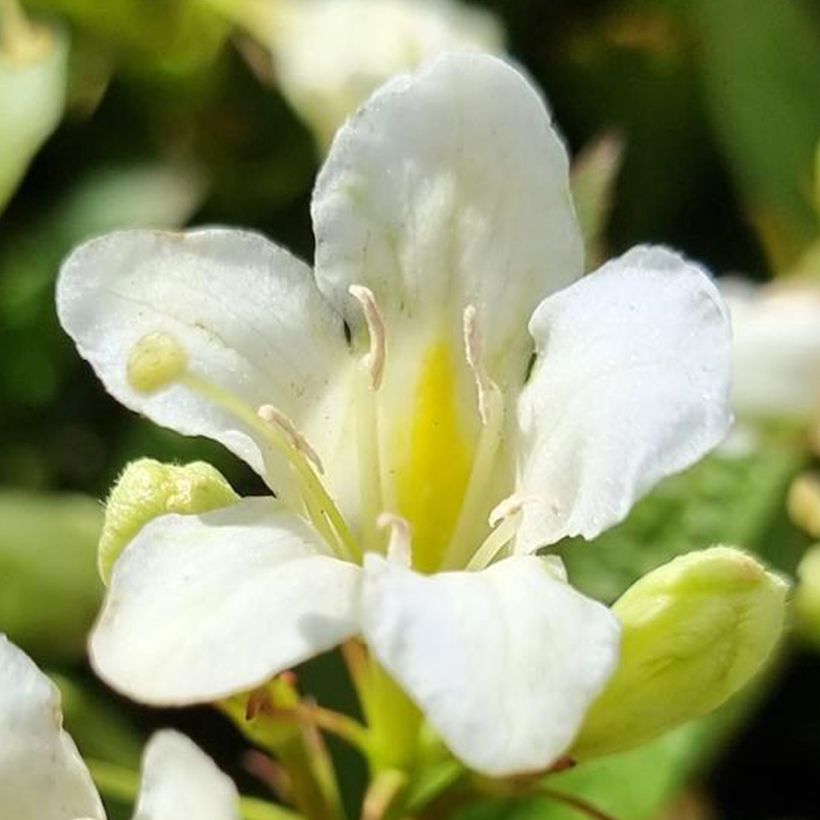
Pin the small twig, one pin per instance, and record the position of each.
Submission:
(382, 793)
(579, 804)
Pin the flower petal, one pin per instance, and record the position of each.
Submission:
(330, 55)
(248, 314)
(201, 607)
(42, 776)
(180, 780)
(630, 385)
(775, 349)
(503, 662)
(449, 187)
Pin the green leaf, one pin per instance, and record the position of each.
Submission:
(760, 66)
(738, 500)
(50, 591)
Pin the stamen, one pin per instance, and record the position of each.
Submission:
(512, 505)
(156, 361)
(472, 347)
(367, 412)
(491, 411)
(399, 546)
(321, 509)
(375, 359)
(272, 415)
(505, 518)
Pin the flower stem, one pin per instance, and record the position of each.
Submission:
(394, 722)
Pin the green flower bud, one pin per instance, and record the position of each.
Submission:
(807, 596)
(147, 489)
(694, 632)
(156, 362)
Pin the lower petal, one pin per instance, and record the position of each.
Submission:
(202, 607)
(504, 662)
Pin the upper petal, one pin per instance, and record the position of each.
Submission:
(201, 607)
(248, 314)
(180, 781)
(630, 385)
(503, 662)
(449, 187)
(42, 776)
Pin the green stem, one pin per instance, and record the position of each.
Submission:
(394, 722)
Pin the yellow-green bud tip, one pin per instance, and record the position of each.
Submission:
(156, 362)
(695, 631)
(147, 489)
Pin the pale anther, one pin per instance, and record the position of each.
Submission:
(472, 348)
(512, 505)
(155, 362)
(270, 414)
(375, 359)
(398, 547)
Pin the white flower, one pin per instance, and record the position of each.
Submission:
(775, 349)
(401, 376)
(43, 777)
(330, 55)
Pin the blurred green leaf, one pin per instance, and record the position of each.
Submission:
(738, 500)
(98, 727)
(760, 65)
(50, 591)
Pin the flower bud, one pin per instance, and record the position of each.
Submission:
(156, 362)
(147, 489)
(694, 632)
(807, 596)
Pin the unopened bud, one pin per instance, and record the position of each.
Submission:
(147, 489)
(807, 597)
(803, 503)
(156, 362)
(695, 631)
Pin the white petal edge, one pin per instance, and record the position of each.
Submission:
(449, 187)
(503, 662)
(247, 312)
(180, 781)
(630, 385)
(202, 607)
(42, 776)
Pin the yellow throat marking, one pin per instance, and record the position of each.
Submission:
(435, 461)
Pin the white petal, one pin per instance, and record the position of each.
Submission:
(42, 776)
(503, 662)
(775, 349)
(331, 54)
(248, 314)
(630, 385)
(449, 187)
(180, 781)
(201, 607)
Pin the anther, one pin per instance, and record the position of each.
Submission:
(156, 361)
(472, 348)
(512, 505)
(270, 414)
(375, 359)
(398, 547)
